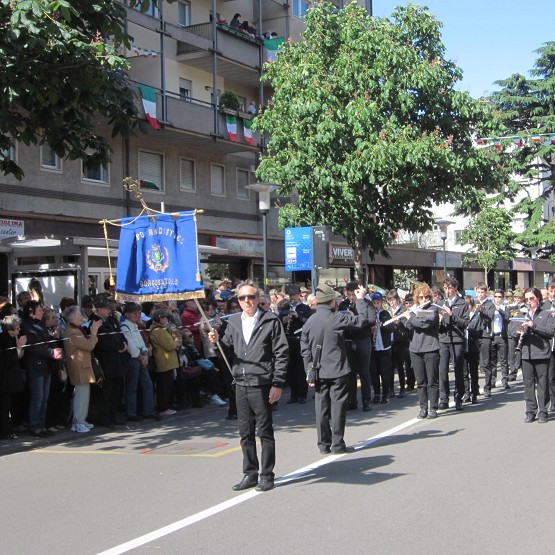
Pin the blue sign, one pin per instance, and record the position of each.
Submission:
(298, 249)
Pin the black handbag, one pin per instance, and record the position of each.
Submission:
(98, 372)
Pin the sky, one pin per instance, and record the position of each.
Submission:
(488, 39)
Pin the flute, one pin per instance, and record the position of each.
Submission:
(404, 314)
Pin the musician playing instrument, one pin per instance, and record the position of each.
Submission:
(484, 324)
(537, 334)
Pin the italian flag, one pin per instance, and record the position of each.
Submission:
(148, 94)
(144, 184)
(247, 131)
(231, 124)
(272, 46)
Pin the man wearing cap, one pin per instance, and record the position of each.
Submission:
(331, 377)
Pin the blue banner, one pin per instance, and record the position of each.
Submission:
(158, 258)
(298, 249)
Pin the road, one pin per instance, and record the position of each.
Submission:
(480, 480)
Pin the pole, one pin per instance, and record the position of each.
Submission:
(265, 249)
(444, 257)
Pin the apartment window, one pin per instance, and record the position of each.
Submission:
(49, 160)
(187, 181)
(184, 13)
(242, 103)
(300, 7)
(96, 172)
(243, 177)
(151, 171)
(185, 89)
(217, 180)
(458, 233)
(8, 153)
(152, 10)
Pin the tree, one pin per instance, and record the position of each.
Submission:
(490, 236)
(527, 107)
(61, 73)
(367, 129)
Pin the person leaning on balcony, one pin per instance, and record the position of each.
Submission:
(235, 22)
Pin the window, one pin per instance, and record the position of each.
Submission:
(300, 7)
(243, 177)
(217, 180)
(8, 153)
(151, 171)
(242, 103)
(185, 89)
(95, 172)
(49, 160)
(152, 10)
(184, 13)
(187, 181)
(458, 233)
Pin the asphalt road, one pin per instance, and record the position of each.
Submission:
(476, 481)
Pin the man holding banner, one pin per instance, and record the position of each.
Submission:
(259, 366)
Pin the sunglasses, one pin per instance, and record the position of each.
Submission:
(245, 297)
(529, 298)
(498, 296)
(421, 297)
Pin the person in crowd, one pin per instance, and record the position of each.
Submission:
(188, 381)
(11, 372)
(397, 342)
(165, 356)
(380, 366)
(265, 302)
(190, 319)
(327, 366)
(22, 298)
(7, 310)
(235, 22)
(408, 302)
(549, 304)
(537, 334)
(486, 311)
(78, 351)
(499, 339)
(109, 287)
(259, 367)
(358, 343)
(471, 355)
(137, 366)
(424, 352)
(87, 308)
(437, 295)
(312, 302)
(517, 309)
(233, 306)
(36, 361)
(304, 294)
(109, 349)
(453, 320)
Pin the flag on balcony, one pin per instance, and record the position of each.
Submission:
(231, 124)
(247, 131)
(272, 46)
(148, 94)
(158, 258)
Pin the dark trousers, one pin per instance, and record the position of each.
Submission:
(511, 357)
(551, 380)
(358, 355)
(471, 381)
(536, 372)
(397, 363)
(426, 370)
(409, 370)
(228, 384)
(331, 412)
(254, 414)
(5, 425)
(164, 384)
(380, 372)
(296, 375)
(451, 352)
(499, 356)
(110, 394)
(485, 360)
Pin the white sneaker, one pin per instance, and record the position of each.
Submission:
(167, 412)
(80, 428)
(217, 400)
(88, 424)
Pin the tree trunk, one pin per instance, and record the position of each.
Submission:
(358, 252)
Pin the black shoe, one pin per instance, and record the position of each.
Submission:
(443, 405)
(410, 387)
(474, 399)
(422, 414)
(39, 433)
(352, 406)
(458, 406)
(506, 386)
(432, 414)
(302, 400)
(265, 485)
(248, 481)
(391, 394)
(529, 418)
(153, 416)
(231, 417)
(324, 449)
(376, 399)
(366, 406)
(384, 400)
(487, 394)
(401, 394)
(342, 450)
(291, 400)
(135, 418)
(542, 419)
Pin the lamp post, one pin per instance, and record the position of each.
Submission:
(443, 225)
(263, 190)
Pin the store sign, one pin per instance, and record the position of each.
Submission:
(344, 253)
(298, 249)
(241, 247)
(11, 228)
(454, 260)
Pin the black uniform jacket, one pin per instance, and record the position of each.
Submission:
(452, 328)
(426, 332)
(536, 344)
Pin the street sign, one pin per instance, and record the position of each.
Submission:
(298, 249)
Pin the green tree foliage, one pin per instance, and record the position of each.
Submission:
(527, 106)
(366, 127)
(490, 236)
(61, 74)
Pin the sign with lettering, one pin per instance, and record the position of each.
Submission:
(298, 249)
(11, 228)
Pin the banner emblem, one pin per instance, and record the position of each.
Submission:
(158, 262)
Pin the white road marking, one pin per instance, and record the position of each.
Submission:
(180, 524)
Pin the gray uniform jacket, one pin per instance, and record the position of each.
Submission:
(264, 360)
(426, 331)
(333, 362)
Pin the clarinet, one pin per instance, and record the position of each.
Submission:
(518, 347)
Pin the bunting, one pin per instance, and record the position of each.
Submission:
(544, 139)
(144, 52)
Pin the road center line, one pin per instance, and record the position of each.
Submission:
(211, 511)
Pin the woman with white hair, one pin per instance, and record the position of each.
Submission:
(78, 349)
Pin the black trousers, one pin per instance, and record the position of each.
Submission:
(471, 378)
(164, 385)
(511, 357)
(110, 394)
(296, 375)
(499, 356)
(254, 415)
(331, 412)
(426, 370)
(409, 370)
(397, 363)
(454, 352)
(551, 380)
(5, 404)
(485, 360)
(536, 372)
(358, 355)
(380, 372)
